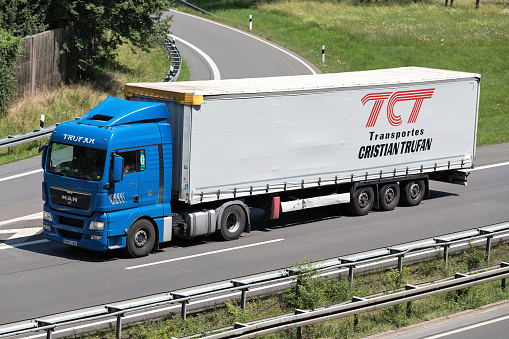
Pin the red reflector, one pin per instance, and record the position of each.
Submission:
(274, 210)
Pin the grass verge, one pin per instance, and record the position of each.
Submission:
(315, 292)
(387, 34)
(74, 100)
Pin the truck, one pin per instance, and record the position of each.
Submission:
(191, 159)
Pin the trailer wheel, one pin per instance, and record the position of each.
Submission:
(389, 196)
(413, 193)
(232, 223)
(362, 201)
(140, 238)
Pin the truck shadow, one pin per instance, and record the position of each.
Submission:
(258, 224)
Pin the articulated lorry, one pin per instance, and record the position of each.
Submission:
(190, 159)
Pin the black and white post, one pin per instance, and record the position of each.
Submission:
(41, 122)
(323, 54)
(250, 22)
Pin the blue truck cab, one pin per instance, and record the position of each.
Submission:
(106, 171)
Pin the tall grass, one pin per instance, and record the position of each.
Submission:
(387, 34)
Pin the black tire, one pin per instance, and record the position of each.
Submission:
(140, 239)
(413, 192)
(389, 196)
(232, 223)
(362, 201)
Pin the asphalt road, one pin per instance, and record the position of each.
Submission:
(39, 278)
(487, 322)
(236, 53)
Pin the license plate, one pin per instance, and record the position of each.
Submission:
(70, 242)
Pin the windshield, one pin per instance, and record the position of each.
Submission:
(76, 161)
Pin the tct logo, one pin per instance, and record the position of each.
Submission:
(395, 120)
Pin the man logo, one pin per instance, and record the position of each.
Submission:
(395, 120)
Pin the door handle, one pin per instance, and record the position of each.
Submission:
(136, 199)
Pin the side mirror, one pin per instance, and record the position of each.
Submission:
(44, 150)
(118, 168)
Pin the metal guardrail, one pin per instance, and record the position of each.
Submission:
(176, 60)
(36, 134)
(359, 305)
(184, 296)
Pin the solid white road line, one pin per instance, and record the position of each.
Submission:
(468, 328)
(21, 175)
(490, 166)
(204, 254)
(215, 70)
(251, 36)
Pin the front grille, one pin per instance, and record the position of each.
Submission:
(70, 221)
(68, 197)
(70, 234)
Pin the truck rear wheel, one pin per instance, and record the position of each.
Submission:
(140, 238)
(413, 192)
(362, 201)
(232, 223)
(389, 196)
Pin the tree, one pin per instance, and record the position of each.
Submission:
(97, 27)
(23, 17)
(10, 49)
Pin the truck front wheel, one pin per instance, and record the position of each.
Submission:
(413, 193)
(389, 196)
(140, 238)
(232, 223)
(362, 201)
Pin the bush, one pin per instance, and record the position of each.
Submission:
(10, 49)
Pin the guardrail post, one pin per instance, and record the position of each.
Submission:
(184, 302)
(502, 265)
(299, 329)
(400, 257)
(409, 304)
(356, 316)
(244, 290)
(48, 326)
(488, 242)
(446, 245)
(351, 265)
(120, 314)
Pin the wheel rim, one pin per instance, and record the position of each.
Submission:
(390, 193)
(233, 221)
(363, 199)
(415, 190)
(141, 238)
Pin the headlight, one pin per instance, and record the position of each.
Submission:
(47, 216)
(97, 225)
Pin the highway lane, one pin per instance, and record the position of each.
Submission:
(488, 322)
(57, 278)
(237, 54)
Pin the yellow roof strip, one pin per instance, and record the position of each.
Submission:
(180, 98)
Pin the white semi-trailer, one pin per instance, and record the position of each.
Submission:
(367, 139)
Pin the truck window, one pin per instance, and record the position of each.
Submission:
(74, 161)
(134, 161)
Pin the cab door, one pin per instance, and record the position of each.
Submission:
(126, 193)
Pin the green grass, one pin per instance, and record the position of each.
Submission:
(392, 34)
(332, 290)
(74, 100)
